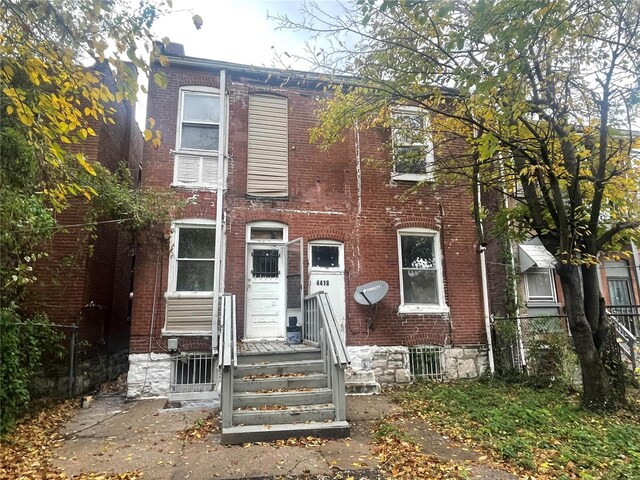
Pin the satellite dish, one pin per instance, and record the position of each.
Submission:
(371, 293)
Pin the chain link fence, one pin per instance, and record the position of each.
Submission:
(538, 347)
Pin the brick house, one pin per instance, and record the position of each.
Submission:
(84, 283)
(273, 220)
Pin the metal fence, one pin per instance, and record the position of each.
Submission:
(192, 372)
(627, 315)
(425, 362)
(533, 345)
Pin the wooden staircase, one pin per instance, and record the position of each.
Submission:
(272, 390)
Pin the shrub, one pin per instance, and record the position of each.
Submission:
(24, 342)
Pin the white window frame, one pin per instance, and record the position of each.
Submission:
(203, 155)
(270, 225)
(546, 300)
(173, 256)
(422, 308)
(427, 144)
(326, 243)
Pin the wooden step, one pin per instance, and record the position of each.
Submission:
(268, 433)
(288, 398)
(279, 368)
(312, 380)
(287, 356)
(291, 414)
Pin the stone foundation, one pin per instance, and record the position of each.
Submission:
(373, 366)
(88, 375)
(149, 375)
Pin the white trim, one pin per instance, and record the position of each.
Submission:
(427, 144)
(176, 225)
(418, 308)
(326, 243)
(202, 154)
(540, 300)
(268, 224)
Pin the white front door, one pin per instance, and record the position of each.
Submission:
(326, 274)
(265, 291)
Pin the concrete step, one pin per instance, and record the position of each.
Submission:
(271, 357)
(289, 398)
(268, 433)
(312, 380)
(279, 368)
(291, 414)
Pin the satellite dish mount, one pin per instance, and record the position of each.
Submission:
(370, 294)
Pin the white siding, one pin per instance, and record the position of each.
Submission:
(268, 149)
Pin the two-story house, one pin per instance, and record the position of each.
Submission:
(277, 237)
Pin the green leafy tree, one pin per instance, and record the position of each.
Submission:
(66, 66)
(545, 95)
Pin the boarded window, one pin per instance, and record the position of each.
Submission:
(268, 159)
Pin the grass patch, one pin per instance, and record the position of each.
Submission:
(539, 431)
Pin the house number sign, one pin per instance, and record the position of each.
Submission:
(322, 283)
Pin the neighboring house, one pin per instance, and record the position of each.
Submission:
(84, 284)
(272, 220)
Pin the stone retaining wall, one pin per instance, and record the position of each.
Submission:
(90, 374)
(373, 366)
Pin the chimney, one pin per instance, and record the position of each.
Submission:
(175, 49)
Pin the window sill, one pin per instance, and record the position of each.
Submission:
(188, 295)
(265, 198)
(195, 153)
(542, 303)
(182, 333)
(423, 309)
(193, 186)
(412, 177)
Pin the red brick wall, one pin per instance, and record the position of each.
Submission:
(323, 204)
(71, 277)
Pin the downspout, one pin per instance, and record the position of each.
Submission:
(636, 265)
(483, 278)
(218, 285)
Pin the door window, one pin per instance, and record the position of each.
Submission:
(265, 263)
(325, 256)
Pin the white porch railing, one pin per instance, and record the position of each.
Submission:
(626, 340)
(228, 356)
(321, 329)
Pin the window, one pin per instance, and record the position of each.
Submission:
(193, 258)
(421, 285)
(539, 285)
(268, 147)
(325, 256)
(412, 149)
(197, 137)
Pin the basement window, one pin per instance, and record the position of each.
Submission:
(426, 362)
(192, 372)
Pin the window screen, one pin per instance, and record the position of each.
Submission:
(195, 259)
(419, 269)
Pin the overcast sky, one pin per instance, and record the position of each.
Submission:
(232, 30)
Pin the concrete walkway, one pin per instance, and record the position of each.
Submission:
(117, 436)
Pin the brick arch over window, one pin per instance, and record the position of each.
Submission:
(326, 234)
(417, 222)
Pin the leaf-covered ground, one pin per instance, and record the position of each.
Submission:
(543, 434)
(26, 452)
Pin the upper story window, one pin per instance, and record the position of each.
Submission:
(421, 279)
(192, 257)
(197, 137)
(268, 146)
(539, 285)
(412, 146)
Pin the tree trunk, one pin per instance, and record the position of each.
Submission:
(597, 393)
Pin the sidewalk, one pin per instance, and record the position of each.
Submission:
(117, 436)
